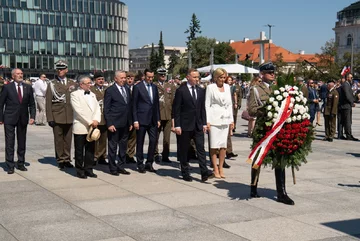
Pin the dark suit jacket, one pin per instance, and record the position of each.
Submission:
(15, 111)
(117, 112)
(145, 112)
(188, 115)
(323, 91)
(346, 97)
(312, 96)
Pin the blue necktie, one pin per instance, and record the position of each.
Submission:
(149, 92)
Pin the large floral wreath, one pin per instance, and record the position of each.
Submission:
(283, 137)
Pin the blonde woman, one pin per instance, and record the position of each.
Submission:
(219, 114)
(251, 124)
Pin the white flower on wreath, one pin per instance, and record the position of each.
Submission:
(275, 103)
(277, 108)
(288, 120)
(302, 110)
(293, 118)
(269, 114)
(306, 108)
(285, 94)
(296, 88)
(269, 107)
(279, 97)
(298, 118)
(295, 111)
(276, 92)
(271, 99)
(282, 89)
(297, 98)
(291, 105)
(275, 115)
(304, 100)
(292, 99)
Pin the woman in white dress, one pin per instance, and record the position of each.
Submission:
(219, 114)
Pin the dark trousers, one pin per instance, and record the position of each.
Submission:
(115, 139)
(312, 112)
(346, 121)
(184, 145)
(100, 145)
(62, 139)
(330, 126)
(165, 127)
(152, 131)
(340, 127)
(84, 154)
(229, 148)
(10, 143)
(235, 113)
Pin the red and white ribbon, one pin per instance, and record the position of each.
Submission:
(258, 154)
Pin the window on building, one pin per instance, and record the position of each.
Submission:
(32, 62)
(49, 47)
(16, 46)
(29, 45)
(349, 40)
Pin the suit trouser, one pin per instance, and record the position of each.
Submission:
(340, 126)
(131, 143)
(115, 139)
(229, 148)
(62, 139)
(152, 131)
(10, 143)
(184, 145)
(312, 112)
(330, 126)
(165, 126)
(346, 121)
(100, 145)
(40, 114)
(84, 154)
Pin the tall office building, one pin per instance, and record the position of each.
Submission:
(89, 34)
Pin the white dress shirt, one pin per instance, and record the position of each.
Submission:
(40, 87)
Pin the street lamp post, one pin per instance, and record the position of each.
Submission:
(352, 53)
(270, 26)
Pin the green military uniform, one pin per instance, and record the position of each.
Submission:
(59, 114)
(259, 94)
(239, 95)
(330, 111)
(130, 152)
(305, 90)
(100, 144)
(166, 97)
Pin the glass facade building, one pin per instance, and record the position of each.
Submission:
(89, 34)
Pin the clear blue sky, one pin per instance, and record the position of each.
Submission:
(299, 25)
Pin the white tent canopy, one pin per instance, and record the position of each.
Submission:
(230, 68)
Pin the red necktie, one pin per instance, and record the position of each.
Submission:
(19, 94)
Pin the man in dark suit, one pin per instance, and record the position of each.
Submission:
(146, 117)
(346, 102)
(313, 100)
(16, 101)
(190, 122)
(117, 113)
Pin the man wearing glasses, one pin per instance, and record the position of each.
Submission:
(258, 97)
(313, 100)
(40, 87)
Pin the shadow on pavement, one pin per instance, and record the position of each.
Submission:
(353, 154)
(348, 185)
(52, 161)
(350, 227)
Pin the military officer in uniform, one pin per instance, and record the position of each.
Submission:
(303, 86)
(166, 97)
(258, 97)
(130, 152)
(100, 145)
(237, 104)
(330, 111)
(59, 113)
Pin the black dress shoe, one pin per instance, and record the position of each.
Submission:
(225, 165)
(254, 195)
(10, 171)
(141, 169)
(325, 139)
(204, 178)
(61, 165)
(91, 174)
(123, 171)
(166, 160)
(114, 173)
(330, 140)
(130, 159)
(22, 168)
(285, 199)
(351, 138)
(231, 154)
(187, 178)
(157, 158)
(150, 168)
(68, 165)
(81, 175)
(342, 138)
(102, 162)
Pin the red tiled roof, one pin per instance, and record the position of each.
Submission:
(249, 47)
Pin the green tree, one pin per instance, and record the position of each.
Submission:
(193, 30)
(224, 53)
(153, 58)
(201, 50)
(326, 60)
(173, 61)
(280, 64)
(161, 52)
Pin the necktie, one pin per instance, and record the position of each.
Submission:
(193, 93)
(123, 93)
(149, 92)
(19, 94)
(87, 93)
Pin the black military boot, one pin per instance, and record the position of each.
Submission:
(282, 196)
(254, 182)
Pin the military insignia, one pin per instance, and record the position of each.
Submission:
(168, 90)
(71, 88)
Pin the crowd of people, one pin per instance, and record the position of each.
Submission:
(109, 122)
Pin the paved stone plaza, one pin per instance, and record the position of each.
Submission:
(46, 204)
